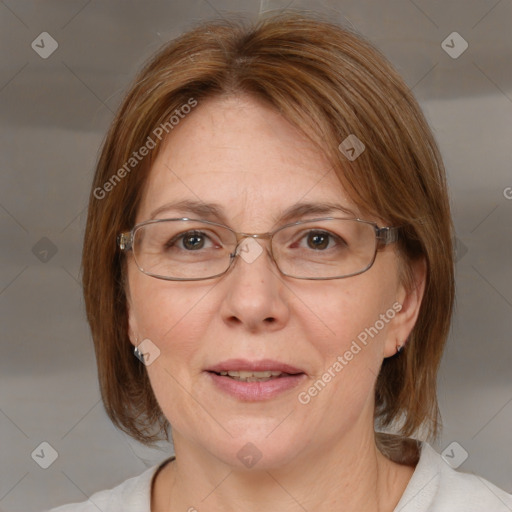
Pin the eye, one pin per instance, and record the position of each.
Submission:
(191, 241)
(318, 240)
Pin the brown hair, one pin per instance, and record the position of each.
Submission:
(330, 83)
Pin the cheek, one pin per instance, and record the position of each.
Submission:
(347, 330)
(171, 314)
(339, 312)
(174, 317)
(345, 333)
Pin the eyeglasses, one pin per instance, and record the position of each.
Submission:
(191, 250)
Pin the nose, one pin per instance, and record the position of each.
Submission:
(255, 295)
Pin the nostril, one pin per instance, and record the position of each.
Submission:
(270, 320)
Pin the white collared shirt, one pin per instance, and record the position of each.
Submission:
(433, 487)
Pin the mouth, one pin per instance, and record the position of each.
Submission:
(243, 369)
(245, 376)
(255, 380)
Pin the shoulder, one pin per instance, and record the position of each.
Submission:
(132, 495)
(437, 486)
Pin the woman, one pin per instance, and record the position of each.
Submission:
(269, 233)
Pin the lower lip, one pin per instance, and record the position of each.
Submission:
(254, 391)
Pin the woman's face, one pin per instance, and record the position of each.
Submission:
(252, 164)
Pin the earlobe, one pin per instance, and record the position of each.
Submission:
(132, 335)
(410, 296)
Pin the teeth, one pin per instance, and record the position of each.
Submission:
(251, 376)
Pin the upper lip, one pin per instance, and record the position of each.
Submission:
(254, 366)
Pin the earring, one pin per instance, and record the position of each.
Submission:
(400, 348)
(136, 352)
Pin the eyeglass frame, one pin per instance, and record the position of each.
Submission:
(384, 235)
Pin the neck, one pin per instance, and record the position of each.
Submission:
(351, 476)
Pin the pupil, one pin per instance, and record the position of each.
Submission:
(193, 242)
(318, 241)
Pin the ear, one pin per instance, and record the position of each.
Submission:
(132, 320)
(410, 296)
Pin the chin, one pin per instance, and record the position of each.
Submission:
(257, 451)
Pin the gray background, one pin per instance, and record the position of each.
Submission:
(54, 114)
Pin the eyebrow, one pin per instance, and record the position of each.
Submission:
(214, 211)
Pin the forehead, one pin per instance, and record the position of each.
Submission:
(245, 157)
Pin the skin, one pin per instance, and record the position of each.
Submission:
(245, 157)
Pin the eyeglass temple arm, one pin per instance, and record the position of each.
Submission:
(124, 241)
(388, 235)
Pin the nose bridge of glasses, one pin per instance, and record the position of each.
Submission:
(242, 236)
